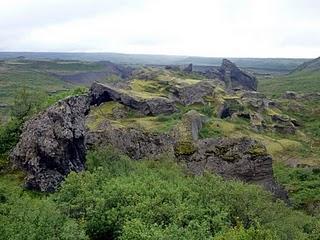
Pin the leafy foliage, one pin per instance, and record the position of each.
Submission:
(23, 216)
(303, 185)
(121, 199)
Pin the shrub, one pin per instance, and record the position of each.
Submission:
(157, 200)
(23, 216)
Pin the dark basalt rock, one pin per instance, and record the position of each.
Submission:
(133, 142)
(230, 107)
(188, 69)
(244, 159)
(52, 144)
(100, 93)
(297, 96)
(284, 124)
(191, 94)
(186, 132)
(234, 77)
(290, 95)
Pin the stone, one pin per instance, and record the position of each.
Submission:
(229, 107)
(100, 93)
(290, 95)
(188, 69)
(52, 144)
(235, 78)
(187, 131)
(136, 143)
(284, 124)
(234, 158)
(190, 94)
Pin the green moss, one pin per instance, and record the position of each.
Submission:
(100, 114)
(185, 147)
(257, 150)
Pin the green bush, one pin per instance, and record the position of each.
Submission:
(24, 216)
(117, 198)
(303, 185)
(9, 135)
(157, 200)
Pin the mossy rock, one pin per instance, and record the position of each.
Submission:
(257, 150)
(185, 148)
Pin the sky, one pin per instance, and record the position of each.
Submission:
(211, 28)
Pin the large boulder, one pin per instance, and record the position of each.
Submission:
(186, 133)
(100, 93)
(236, 78)
(234, 158)
(230, 107)
(136, 143)
(188, 69)
(53, 144)
(284, 124)
(193, 93)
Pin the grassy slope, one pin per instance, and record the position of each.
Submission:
(301, 82)
(302, 183)
(37, 77)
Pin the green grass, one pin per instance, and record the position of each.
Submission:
(32, 81)
(301, 82)
(56, 65)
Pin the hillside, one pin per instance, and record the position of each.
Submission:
(304, 79)
(309, 66)
(51, 77)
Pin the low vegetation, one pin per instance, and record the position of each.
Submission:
(117, 198)
(301, 82)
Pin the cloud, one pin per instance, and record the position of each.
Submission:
(244, 28)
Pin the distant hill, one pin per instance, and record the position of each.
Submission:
(309, 66)
(259, 65)
(304, 79)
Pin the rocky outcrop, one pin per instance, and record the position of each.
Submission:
(187, 131)
(188, 69)
(191, 94)
(243, 158)
(236, 78)
(133, 142)
(230, 107)
(290, 95)
(52, 144)
(296, 96)
(100, 93)
(284, 124)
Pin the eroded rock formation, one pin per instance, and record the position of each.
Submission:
(236, 78)
(53, 144)
(234, 158)
(136, 143)
(100, 93)
(191, 94)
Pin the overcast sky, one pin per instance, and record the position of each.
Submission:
(215, 28)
